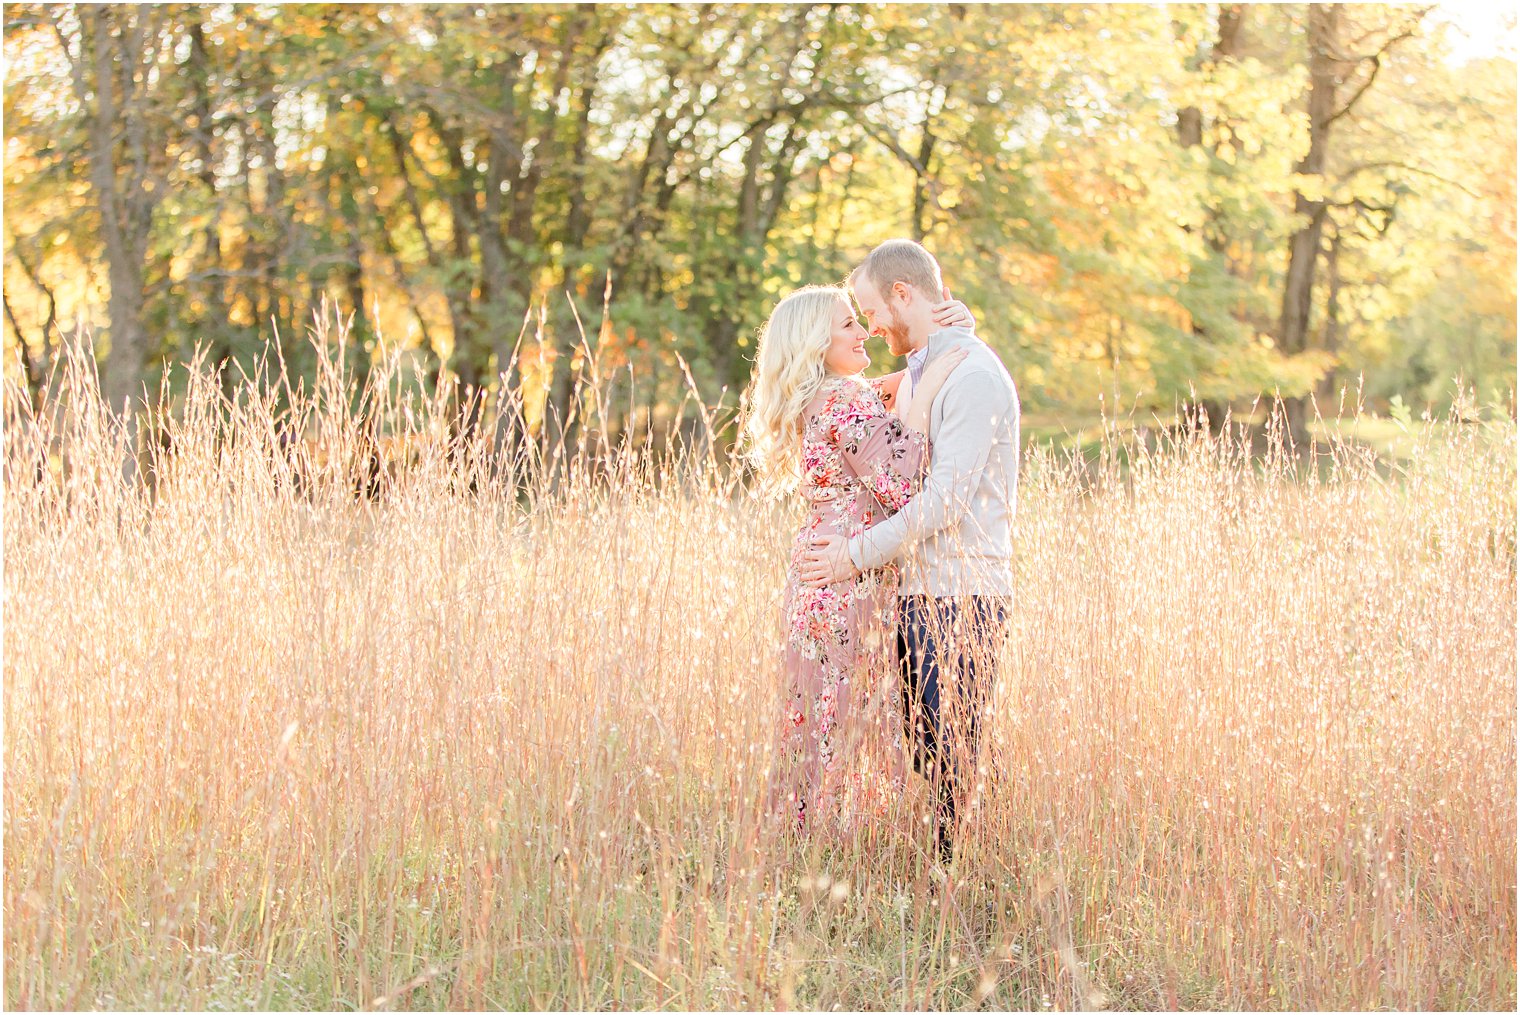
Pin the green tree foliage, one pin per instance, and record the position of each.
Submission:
(1129, 197)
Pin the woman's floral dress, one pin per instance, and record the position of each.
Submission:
(842, 757)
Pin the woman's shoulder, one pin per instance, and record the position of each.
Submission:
(840, 400)
(856, 394)
(836, 390)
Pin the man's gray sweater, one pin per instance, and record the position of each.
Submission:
(955, 538)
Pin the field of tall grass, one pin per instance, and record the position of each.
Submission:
(488, 725)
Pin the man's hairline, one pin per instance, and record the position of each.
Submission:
(861, 272)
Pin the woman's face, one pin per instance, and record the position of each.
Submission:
(847, 342)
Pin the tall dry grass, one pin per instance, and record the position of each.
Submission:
(498, 736)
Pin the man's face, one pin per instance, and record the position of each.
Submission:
(882, 317)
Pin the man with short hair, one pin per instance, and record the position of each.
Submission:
(954, 539)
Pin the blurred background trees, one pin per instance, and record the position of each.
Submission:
(1144, 203)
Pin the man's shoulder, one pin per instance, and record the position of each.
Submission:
(946, 339)
(981, 361)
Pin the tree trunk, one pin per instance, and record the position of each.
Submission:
(456, 298)
(1190, 134)
(214, 325)
(114, 193)
(460, 191)
(578, 218)
(1304, 246)
(1332, 338)
(344, 184)
(921, 181)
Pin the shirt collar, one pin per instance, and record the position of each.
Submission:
(937, 343)
(941, 340)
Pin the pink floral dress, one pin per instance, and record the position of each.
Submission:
(842, 754)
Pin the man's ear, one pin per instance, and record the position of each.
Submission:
(902, 291)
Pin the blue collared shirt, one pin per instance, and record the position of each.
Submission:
(917, 359)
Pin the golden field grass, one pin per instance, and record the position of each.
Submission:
(497, 737)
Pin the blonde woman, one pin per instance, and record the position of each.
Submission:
(815, 424)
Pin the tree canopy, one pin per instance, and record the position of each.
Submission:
(1146, 202)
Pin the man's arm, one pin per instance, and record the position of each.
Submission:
(972, 413)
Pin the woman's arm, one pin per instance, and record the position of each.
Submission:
(886, 457)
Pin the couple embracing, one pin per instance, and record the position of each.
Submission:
(899, 581)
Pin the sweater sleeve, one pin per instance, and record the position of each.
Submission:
(974, 409)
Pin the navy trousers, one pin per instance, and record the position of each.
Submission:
(948, 649)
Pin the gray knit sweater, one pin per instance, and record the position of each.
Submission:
(956, 536)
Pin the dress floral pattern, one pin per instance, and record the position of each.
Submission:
(841, 737)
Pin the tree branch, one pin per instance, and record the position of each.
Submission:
(34, 277)
(889, 142)
(1417, 170)
(1377, 64)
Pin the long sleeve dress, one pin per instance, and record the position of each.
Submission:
(842, 760)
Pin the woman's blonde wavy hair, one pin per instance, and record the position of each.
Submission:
(789, 371)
